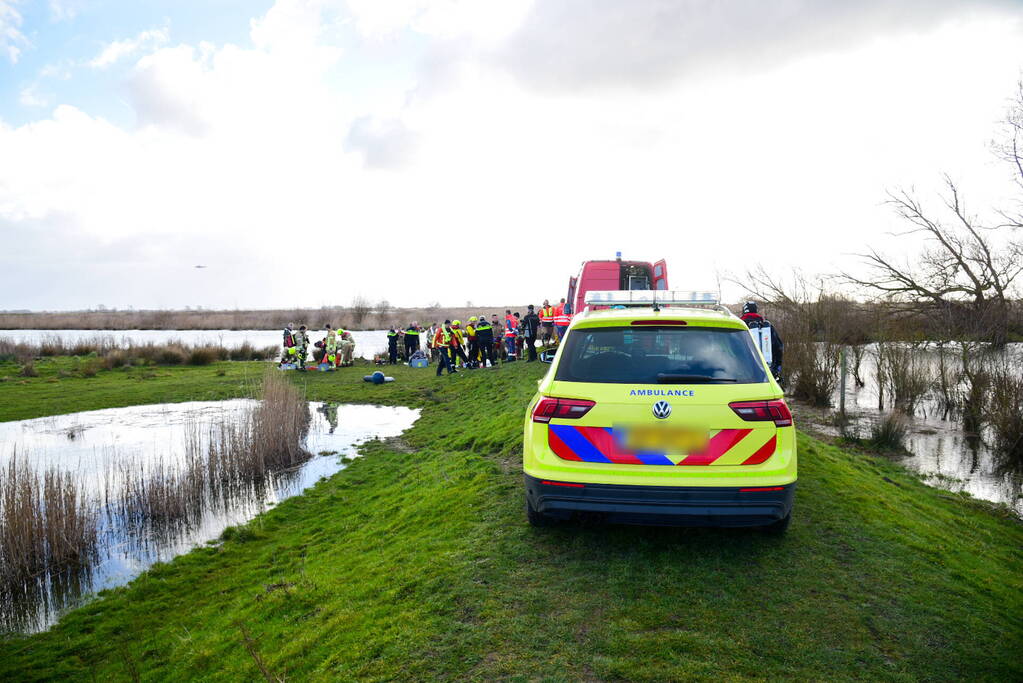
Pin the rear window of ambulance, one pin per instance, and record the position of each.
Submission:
(660, 355)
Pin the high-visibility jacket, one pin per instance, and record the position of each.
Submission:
(547, 314)
(331, 344)
(301, 340)
(511, 324)
(562, 319)
(289, 338)
(442, 337)
(457, 336)
(470, 331)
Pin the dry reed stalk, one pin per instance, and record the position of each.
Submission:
(907, 374)
(46, 523)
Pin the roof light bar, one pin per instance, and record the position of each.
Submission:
(648, 297)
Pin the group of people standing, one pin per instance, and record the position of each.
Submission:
(480, 342)
(337, 347)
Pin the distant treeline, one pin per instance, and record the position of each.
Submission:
(355, 317)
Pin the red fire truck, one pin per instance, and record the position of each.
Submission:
(615, 275)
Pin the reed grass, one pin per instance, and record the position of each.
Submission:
(226, 462)
(113, 354)
(1005, 412)
(889, 433)
(906, 372)
(360, 315)
(48, 523)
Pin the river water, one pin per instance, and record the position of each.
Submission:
(367, 342)
(940, 450)
(89, 443)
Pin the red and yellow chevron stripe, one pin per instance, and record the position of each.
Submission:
(598, 444)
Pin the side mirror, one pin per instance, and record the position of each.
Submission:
(547, 356)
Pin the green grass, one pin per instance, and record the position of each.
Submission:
(415, 563)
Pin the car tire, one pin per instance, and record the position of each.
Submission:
(780, 527)
(536, 518)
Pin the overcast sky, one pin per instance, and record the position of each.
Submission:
(306, 151)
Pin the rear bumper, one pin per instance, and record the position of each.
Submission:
(662, 505)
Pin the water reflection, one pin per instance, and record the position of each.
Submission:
(90, 444)
(945, 453)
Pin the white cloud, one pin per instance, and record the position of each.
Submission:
(256, 159)
(64, 10)
(119, 49)
(482, 20)
(11, 36)
(384, 143)
(31, 97)
(586, 43)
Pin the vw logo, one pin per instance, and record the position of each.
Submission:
(662, 409)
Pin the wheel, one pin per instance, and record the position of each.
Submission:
(780, 527)
(536, 518)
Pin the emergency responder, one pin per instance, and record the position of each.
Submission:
(546, 322)
(411, 339)
(431, 343)
(511, 326)
(320, 351)
(346, 348)
(301, 345)
(485, 342)
(530, 328)
(442, 339)
(288, 354)
(392, 346)
(754, 320)
(474, 348)
(330, 346)
(498, 332)
(458, 344)
(562, 319)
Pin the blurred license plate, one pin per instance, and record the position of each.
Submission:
(662, 439)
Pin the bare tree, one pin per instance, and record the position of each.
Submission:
(965, 272)
(383, 307)
(360, 308)
(968, 267)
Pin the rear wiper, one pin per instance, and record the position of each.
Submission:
(668, 378)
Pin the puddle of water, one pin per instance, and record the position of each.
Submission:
(89, 443)
(367, 342)
(940, 450)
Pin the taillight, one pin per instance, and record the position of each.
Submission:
(775, 411)
(548, 408)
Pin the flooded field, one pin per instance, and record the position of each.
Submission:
(940, 449)
(99, 447)
(367, 342)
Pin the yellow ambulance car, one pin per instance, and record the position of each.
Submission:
(658, 408)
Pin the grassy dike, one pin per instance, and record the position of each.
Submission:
(416, 563)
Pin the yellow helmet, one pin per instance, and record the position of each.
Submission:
(456, 322)
(472, 319)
